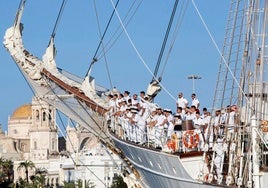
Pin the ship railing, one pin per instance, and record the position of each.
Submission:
(152, 137)
(186, 140)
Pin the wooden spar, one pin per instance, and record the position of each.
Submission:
(76, 92)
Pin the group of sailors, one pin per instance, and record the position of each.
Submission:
(144, 122)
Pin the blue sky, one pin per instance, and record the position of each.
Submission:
(77, 39)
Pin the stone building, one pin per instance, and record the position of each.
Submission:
(33, 135)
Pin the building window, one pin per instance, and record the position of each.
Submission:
(57, 182)
(49, 115)
(53, 144)
(35, 145)
(23, 147)
(52, 182)
(37, 115)
(47, 182)
(44, 116)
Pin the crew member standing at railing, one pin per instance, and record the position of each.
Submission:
(138, 124)
(199, 126)
(151, 122)
(180, 112)
(144, 107)
(127, 96)
(134, 100)
(208, 128)
(190, 113)
(141, 125)
(111, 106)
(126, 125)
(132, 124)
(231, 122)
(121, 108)
(168, 122)
(216, 122)
(159, 129)
(178, 129)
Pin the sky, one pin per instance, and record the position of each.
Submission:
(128, 64)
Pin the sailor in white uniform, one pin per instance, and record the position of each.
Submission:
(151, 122)
(127, 96)
(159, 129)
(182, 102)
(134, 99)
(195, 101)
(199, 125)
(126, 125)
(169, 122)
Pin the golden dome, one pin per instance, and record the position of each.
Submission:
(22, 112)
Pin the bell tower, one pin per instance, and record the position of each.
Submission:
(43, 131)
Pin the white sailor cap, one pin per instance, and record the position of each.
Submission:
(153, 109)
(177, 115)
(134, 110)
(134, 107)
(167, 110)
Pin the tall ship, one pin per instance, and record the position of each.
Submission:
(225, 146)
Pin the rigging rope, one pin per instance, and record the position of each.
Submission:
(138, 53)
(105, 59)
(22, 4)
(111, 42)
(176, 30)
(221, 55)
(165, 40)
(36, 94)
(102, 37)
(58, 19)
(53, 91)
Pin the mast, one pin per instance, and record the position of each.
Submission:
(255, 153)
(154, 86)
(243, 81)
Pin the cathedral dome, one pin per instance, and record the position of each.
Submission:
(22, 112)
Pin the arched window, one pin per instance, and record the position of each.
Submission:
(57, 182)
(52, 182)
(44, 116)
(37, 114)
(49, 115)
(23, 147)
(47, 182)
